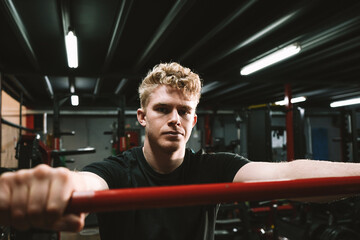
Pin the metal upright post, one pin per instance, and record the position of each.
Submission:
(56, 123)
(289, 124)
(20, 112)
(354, 136)
(121, 123)
(0, 114)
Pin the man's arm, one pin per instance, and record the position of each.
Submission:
(259, 171)
(37, 198)
(297, 169)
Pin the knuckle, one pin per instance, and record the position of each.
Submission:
(21, 177)
(7, 178)
(53, 211)
(34, 211)
(6, 175)
(41, 171)
(62, 174)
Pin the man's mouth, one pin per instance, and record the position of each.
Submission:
(173, 133)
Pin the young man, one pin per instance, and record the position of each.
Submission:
(169, 95)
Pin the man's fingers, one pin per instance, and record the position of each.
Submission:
(38, 195)
(5, 194)
(70, 223)
(18, 208)
(59, 194)
(37, 198)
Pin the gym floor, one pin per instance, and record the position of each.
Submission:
(87, 233)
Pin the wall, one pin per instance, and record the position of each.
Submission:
(10, 111)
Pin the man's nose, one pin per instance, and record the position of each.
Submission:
(174, 117)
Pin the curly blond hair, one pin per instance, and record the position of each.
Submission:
(174, 75)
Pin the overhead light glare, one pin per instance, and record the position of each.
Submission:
(345, 102)
(121, 85)
(293, 100)
(270, 59)
(74, 100)
(72, 89)
(49, 87)
(71, 49)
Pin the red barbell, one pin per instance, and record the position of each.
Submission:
(202, 194)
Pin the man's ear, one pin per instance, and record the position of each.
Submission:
(195, 120)
(141, 117)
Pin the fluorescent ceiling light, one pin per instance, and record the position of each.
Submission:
(293, 100)
(74, 100)
(345, 102)
(71, 49)
(271, 59)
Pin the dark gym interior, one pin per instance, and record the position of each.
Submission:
(119, 41)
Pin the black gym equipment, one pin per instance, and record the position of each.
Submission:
(30, 152)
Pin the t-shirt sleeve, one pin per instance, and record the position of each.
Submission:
(228, 164)
(111, 170)
(232, 166)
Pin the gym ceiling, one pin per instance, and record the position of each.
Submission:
(119, 41)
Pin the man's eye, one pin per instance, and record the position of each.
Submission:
(161, 109)
(183, 112)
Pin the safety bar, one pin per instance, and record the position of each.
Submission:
(73, 152)
(204, 194)
(17, 126)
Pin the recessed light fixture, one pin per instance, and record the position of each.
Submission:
(293, 100)
(74, 100)
(345, 102)
(270, 59)
(71, 49)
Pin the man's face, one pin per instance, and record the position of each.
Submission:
(168, 119)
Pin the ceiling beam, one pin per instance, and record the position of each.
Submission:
(119, 25)
(48, 87)
(226, 91)
(19, 86)
(218, 28)
(259, 89)
(257, 36)
(333, 30)
(67, 26)
(321, 39)
(21, 32)
(352, 94)
(121, 85)
(65, 16)
(97, 87)
(120, 22)
(172, 18)
(117, 75)
(9, 89)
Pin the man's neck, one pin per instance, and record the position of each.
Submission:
(161, 161)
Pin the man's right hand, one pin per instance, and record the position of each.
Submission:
(37, 198)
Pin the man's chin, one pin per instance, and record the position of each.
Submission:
(171, 147)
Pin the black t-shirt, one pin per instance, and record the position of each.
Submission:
(130, 169)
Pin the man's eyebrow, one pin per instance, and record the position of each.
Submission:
(187, 107)
(161, 105)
